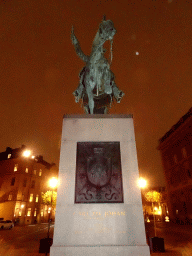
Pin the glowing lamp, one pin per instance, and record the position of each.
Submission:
(53, 182)
(27, 153)
(142, 183)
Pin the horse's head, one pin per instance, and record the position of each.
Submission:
(106, 30)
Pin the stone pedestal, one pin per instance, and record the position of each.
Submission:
(104, 228)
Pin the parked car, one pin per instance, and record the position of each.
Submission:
(6, 224)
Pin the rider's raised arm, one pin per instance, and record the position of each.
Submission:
(78, 50)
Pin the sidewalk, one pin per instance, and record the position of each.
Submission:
(177, 240)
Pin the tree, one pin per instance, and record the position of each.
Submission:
(153, 196)
(49, 198)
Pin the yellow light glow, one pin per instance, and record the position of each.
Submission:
(22, 206)
(53, 182)
(27, 153)
(167, 218)
(155, 208)
(159, 212)
(142, 183)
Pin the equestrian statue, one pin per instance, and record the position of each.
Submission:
(97, 86)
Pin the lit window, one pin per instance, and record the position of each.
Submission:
(13, 181)
(37, 198)
(35, 212)
(10, 197)
(41, 213)
(40, 172)
(9, 156)
(26, 169)
(15, 167)
(35, 171)
(29, 212)
(31, 198)
(20, 212)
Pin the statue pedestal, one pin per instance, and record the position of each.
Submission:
(114, 225)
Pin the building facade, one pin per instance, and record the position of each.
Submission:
(176, 153)
(22, 180)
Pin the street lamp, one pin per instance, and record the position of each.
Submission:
(142, 183)
(53, 182)
(27, 153)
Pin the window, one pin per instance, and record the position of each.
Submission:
(31, 198)
(41, 213)
(20, 212)
(35, 171)
(9, 156)
(13, 181)
(35, 212)
(15, 167)
(37, 198)
(33, 184)
(40, 172)
(10, 197)
(24, 182)
(184, 152)
(26, 169)
(29, 212)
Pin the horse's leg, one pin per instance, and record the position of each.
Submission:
(90, 99)
(86, 109)
(91, 103)
(106, 110)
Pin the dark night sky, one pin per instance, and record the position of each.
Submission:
(39, 69)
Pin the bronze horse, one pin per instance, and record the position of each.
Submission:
(97, 86)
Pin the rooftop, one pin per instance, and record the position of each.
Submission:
(10, 153)
(176, 126)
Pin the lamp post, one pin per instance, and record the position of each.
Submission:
(142, 183)
(52, 184)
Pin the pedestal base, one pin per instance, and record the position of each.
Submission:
(99, 228)
(101, 250)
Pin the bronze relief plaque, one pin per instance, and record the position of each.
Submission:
(98, 173)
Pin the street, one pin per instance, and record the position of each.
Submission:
(177, 238)
(25, 240)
